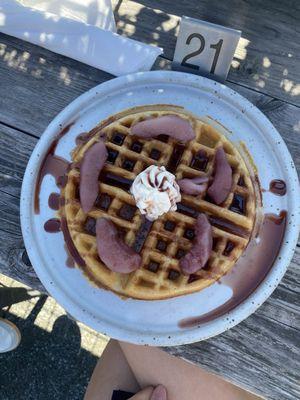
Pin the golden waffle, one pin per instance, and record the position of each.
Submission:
(162, 243)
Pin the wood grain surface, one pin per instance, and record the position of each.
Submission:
(262, 353)
(268, 54)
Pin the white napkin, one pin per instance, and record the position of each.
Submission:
(89, 44)
(92, 12)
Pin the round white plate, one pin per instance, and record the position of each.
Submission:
(156, 322)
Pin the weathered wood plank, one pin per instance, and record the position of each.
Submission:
(267, 58)
(14, 261)
(15, 150)
(42, 90)
(39, 83)
(14, 154)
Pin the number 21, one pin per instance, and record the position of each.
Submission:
(216, 47)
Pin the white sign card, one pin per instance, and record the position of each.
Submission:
(205, 48)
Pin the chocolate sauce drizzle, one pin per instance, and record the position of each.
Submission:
(66, 129)
(52, 165)
(221, 223)
(250, 270)
(142, 234)
(175, 157)
(58, 168)
(228, 226)
(278, 187)
(115, 180)
(186, 210)
(54, 201)
(52, 225)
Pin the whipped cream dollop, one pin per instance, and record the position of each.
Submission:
(155, 191)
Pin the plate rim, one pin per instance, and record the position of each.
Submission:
(186, 336)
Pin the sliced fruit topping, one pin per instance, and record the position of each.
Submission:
(171, 125)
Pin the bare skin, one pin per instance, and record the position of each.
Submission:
(159, 393)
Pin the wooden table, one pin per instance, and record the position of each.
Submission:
(261, 354)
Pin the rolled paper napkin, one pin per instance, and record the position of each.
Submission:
(89, 44)
(92, 12)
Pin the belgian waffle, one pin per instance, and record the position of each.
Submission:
(162, 243)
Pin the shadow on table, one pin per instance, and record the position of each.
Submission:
(13, 295)
(46, 365)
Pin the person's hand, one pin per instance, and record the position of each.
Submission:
(159, 393)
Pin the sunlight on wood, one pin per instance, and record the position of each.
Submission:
(261, 83)
(296, 127)
(2, 49)
(235, 64)
(266, 62)
(291, 87)
(128, 22)
(15, 59)
(241, 50)
(64, 76)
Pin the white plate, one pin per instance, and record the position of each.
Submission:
(156, 322)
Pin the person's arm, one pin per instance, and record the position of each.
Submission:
(159, 393)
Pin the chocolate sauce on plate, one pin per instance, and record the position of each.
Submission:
(70, 244)
(52, 225)
(58, 167)
(250, 270)
(51, 165)
(62, 181)
(278, 187)
(54, 201)
(66, 129)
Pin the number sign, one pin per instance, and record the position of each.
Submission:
(205, 48)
